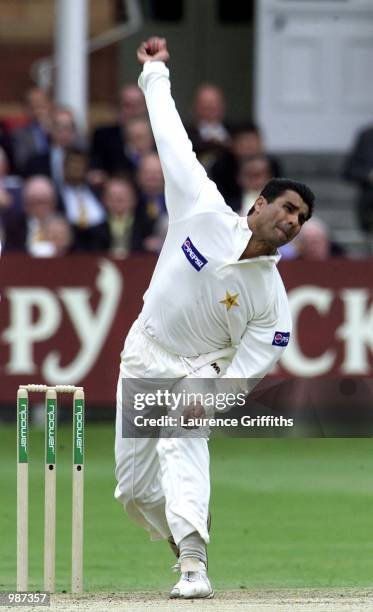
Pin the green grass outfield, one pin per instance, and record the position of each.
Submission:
(286, 513)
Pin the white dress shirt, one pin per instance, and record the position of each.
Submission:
(74, 198)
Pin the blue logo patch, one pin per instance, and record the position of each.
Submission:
(193, 255)
(281, 338)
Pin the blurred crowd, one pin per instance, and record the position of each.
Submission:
(62, 192)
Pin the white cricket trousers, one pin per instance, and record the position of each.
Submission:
(163, 483)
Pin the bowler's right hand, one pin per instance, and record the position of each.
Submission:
(154, 50)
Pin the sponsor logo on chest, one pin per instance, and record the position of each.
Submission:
(193, 255)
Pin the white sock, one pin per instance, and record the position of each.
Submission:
(192, 551)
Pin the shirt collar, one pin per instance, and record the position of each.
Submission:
(246, 234)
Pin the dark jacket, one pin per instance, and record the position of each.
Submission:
(358, 166)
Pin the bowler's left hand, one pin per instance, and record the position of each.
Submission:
(193, 412)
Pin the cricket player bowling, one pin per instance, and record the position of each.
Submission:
(216, 308)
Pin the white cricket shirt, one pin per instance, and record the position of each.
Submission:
(202, 299)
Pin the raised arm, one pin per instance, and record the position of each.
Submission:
(184, 175)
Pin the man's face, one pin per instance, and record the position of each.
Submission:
(209, 105)
(39, 200)
(245, 144)
(119, 197)
(75, 168)
(63, 129)
(139, 136)
(280, 221)
(150, 175)
(254, 174)
(131, 103)
(39, 105)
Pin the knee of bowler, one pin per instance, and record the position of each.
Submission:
(134, 493)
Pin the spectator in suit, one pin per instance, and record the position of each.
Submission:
(209, 133)
(124, 227)
(152, 204)
(253, 174)
(63, 134)
(25, 229)
(131, 103)
(246, 142)
(33, 138)
(59, 235)
(82, 206)
(139, 141)
(107, 154)
(359, 169)
(314, 244)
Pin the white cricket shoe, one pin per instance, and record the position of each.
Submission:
(193, 585)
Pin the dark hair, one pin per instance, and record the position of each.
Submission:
(247, 159)
(243, 128)
(76, 149)
(276, 187)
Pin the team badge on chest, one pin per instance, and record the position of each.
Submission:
(230, 300)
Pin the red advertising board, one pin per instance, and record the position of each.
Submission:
(64, 320)
(332, 312)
